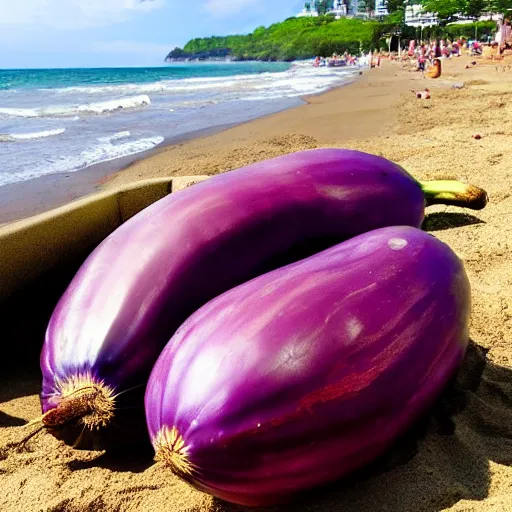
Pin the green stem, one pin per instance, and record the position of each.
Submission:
(454, 193)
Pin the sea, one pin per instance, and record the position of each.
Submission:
(65, 120)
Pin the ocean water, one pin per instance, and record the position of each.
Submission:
(64, 120)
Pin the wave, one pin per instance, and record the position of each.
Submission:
(91, 156)
(300, 79)
(27, 136)
(198, 83)
(116, 136)
(100, 107)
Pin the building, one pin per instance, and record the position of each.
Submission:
(415, 17)
(338, 8)
(341, 8)
(380, 8)
(309, 10)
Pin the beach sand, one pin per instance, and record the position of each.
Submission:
(432, 468)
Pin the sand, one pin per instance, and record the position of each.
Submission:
(438, 465)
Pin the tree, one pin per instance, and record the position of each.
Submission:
(366, 5)
(323, 6)
(450, 9)
(475, 8)
(501, 6)
(395, 5)
(445, 9)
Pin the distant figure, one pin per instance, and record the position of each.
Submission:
(421, 62)
(412, 44)
(476, 48)
(434, 71)
(422, 95)
(503, 34)
(371, 61)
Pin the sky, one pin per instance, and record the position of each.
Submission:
(100, 33)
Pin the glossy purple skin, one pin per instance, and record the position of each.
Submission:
(304, 374)
(147, 277)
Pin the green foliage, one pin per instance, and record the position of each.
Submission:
(395, 6)
(468, 30)
(449, 9)
(445, 9)
(323, 5)
(296, 38)
(366, 5)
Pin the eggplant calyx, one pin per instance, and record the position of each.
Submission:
(171, 450)
(454, 193)
(82, 398)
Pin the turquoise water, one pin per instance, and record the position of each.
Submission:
(64, 120)
(57, 78)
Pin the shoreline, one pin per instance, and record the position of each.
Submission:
(57, 189)
(24, 199)
(350, 111)
(54, 190)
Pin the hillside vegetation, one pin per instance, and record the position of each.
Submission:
(294, 38)
(302, 38)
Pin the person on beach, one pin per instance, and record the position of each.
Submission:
(476, 48)
(434, 71)
(412, 45)
(421, 62)
(456, 49)
(503, 34)
(498, 38)
(437, 50)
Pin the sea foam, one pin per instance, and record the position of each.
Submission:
(100, 107)
(92, 155)
(36, 135)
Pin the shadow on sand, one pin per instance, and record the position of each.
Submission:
(441, 221)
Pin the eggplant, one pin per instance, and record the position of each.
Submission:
(146, 278)
(301, 376)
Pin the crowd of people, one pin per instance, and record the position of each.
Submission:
(425, 53)
(336, 60)
(347, 59)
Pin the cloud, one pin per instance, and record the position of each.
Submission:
(131, 47)
(226, 8)
(72, 14)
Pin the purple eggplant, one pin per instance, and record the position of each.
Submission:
(302, 375)
(142, 282)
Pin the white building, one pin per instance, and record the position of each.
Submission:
(415, 17)
(380, 8)
(340, 8)
(309, 10)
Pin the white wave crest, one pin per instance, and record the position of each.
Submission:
(92, 155)
(116, 136)
(37, 135)
(100, 107)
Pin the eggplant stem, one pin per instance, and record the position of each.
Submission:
(454, 193)
(83, 399)
(28, 437)
(171, 450)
